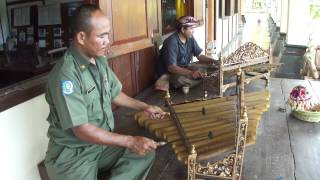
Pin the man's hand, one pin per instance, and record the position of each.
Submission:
(215, 62)
(141, 145)
(154, 112)
(196, 75)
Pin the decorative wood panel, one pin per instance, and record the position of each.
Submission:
(131, 52)
(134, 70)
(134, 67)
(145, 68)
(117, 50)
(121, 66)
(129, 20)
(130, 26)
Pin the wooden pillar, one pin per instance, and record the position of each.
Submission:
(242, 7)
(211, 21)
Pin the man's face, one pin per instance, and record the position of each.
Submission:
(96, 42)
(188, 32)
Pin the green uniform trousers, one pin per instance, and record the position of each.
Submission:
(83, 163)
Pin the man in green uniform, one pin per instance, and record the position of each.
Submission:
(80, 91)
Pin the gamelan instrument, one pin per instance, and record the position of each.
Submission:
(203, 129)
(249, 57)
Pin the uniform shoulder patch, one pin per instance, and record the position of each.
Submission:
(67, 87)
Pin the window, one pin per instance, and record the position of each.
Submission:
(172, 10)
(34, 29)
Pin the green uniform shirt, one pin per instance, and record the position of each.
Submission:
(80, 92)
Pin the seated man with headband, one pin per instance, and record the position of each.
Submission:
(177, 53)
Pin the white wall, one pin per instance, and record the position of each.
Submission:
(199, 35)
(235, 25)
(298, 23)
(225, 32)
(23, 138)
(218, 27)
(284, 16)
(4, 22)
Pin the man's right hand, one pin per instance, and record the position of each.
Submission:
(196, 75)
(141, 145)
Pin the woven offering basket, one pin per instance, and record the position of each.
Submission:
(308, 116)
(301, 105)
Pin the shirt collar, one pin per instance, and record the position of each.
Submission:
(179, 40)
(83, 61)
(80, 58)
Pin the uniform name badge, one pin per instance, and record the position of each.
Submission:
(67, 87)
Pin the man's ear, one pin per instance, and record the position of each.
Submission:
(184, 29)
(81, 36)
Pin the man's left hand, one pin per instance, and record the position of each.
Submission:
(154, 112)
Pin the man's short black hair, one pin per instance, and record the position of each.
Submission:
(81, 20)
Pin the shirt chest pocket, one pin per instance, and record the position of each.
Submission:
(92, 100)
